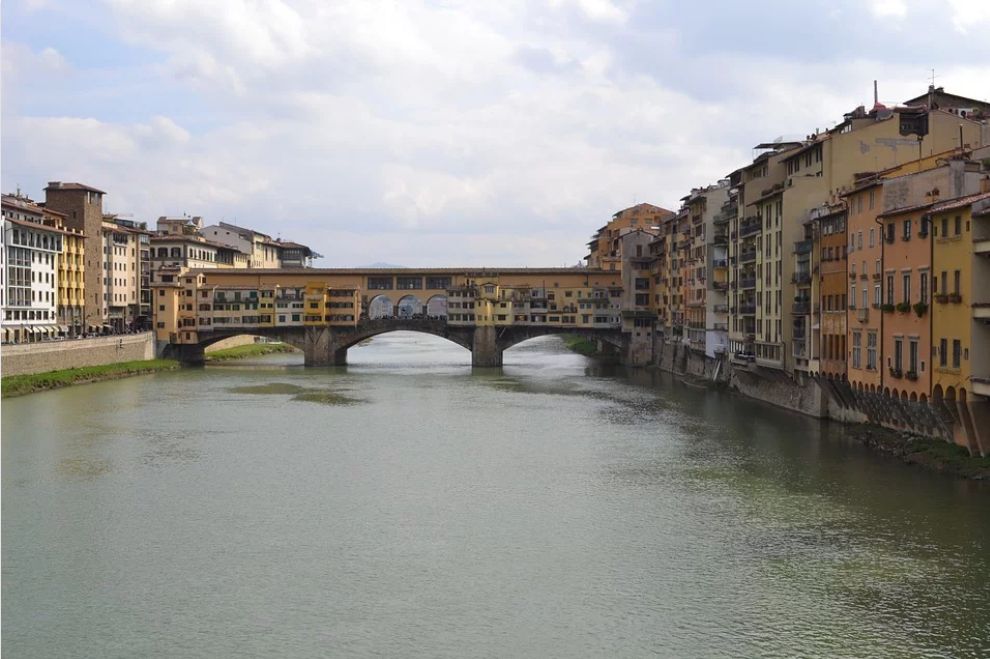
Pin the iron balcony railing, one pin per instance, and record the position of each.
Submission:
(749, 227)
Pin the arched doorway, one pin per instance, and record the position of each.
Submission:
(436, 306)
(380, 307)
(409, 306)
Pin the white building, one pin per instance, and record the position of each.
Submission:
(31, 248)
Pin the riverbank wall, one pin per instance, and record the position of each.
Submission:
(28, 359)
(962, 422)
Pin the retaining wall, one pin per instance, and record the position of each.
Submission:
(55, 355)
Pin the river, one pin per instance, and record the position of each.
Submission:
(407, 506)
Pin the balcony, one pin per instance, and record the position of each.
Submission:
(863, 314)
(801, 278)
(750, 227)
(981, 311)
(724, 308)
(803, 247)
(981, 386)
(747, 309)
(720, 285)
(747, 282)
(801, 307)
(720, 263)
(747, 255)
(720, 239)
(981, 246)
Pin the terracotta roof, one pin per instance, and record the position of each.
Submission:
(40, 226)
(905, 209)
(959, 202)
(60, 185)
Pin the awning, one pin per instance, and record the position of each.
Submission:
(64, 329)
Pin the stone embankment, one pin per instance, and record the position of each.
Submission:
(947, 436)
(26, 359)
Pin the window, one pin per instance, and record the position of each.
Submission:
(871, 351)
(852, 296)
(945, 227)
(857, 348)
(906, 297)
(872, 233)
(945, 283)
(876, 295)
(923, 287)
(907, 230)
(955, 282)
(943, 352)
(898, 354)
(913, 355)
(958, 226)
(956, 352)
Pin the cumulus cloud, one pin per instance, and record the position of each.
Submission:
(417, 133)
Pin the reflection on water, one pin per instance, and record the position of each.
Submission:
(553, 507)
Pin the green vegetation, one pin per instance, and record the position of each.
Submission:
(249, 350)
(326, 398)
(944, 456)
(272, 388)
(580, 345)
(19, 385)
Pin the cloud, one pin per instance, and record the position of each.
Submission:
(888, 8)
(472, 133)
(970, 16)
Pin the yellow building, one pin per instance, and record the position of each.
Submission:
(960, 230)
(71, 278)
(605, 248)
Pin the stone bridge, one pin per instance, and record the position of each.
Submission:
(327, 346)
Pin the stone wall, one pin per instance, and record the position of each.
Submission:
(56, 355)
(677, 358)
(775, 387)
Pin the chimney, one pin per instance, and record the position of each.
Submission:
(876, 96)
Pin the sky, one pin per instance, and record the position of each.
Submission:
(445, 133)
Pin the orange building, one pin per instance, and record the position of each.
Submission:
(832, 245)
(907, 293)
(861, 295)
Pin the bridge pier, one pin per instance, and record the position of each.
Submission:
(320, 349)
(485, 352)
(185, 353)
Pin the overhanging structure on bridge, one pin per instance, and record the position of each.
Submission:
(325, 311)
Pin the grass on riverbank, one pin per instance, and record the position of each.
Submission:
(19, 385)
(943, 456)
(580, 345)
(249, 350)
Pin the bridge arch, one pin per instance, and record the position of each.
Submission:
(519, 335)
(371, 329)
